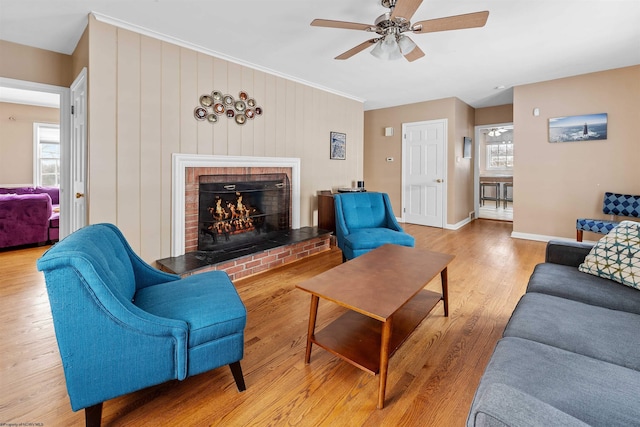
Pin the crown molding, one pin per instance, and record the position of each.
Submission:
(183, 43)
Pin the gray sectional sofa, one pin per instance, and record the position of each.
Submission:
(570, 354)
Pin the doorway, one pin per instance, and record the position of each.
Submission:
(493, 167)
(424, 156)
(62, 93)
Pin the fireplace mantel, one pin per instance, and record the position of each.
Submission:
(180, 163)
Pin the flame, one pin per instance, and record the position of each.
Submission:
(235, 218)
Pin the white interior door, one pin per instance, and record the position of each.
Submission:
(424, 172)
(78, 152)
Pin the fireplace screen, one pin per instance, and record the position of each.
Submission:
(241, 210)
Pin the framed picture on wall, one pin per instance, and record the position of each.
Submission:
(338, 146)
(588, 127)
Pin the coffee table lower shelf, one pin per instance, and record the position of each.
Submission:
(357, 338)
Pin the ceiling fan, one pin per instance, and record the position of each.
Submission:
(496, 131)
(390, 26)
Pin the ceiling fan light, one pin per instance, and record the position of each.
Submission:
(406, 45)
(387, 49)
(377, 51)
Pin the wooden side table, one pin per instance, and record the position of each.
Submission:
(326, 211)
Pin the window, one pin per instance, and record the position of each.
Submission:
(47, 154)
(499, 156)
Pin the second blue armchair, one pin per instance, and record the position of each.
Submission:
(365, 221)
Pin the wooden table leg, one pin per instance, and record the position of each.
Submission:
(313, 314)
(445, 291)
(384, 360)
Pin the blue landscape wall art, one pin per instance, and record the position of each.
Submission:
(588, 127)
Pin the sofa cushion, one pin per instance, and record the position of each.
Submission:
(371, 238)
(601, 333)
(617, 255)
(567, 282)
(595, 392)
(208, 302)
(502, 406)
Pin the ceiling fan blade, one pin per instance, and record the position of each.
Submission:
(340, 24)
(405, 9)
(362, 46)
(457, 22)
(416, 53)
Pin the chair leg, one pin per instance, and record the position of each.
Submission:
(236, 370)
(93, 415)
(579, 235)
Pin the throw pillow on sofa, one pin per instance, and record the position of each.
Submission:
(617, 255)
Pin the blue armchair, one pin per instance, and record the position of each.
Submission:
(365, 221)
(122, 325)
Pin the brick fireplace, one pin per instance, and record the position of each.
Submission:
(287, 246)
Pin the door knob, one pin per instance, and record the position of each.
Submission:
(439, 180)
(78, 195)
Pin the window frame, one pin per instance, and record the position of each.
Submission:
(37, 159)
(489, 156)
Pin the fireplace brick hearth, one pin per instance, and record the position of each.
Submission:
(296, 245)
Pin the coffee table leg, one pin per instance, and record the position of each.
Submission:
(384, 360)
(445, 291)
(313, 313)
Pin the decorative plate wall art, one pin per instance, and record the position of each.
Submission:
(215, 106)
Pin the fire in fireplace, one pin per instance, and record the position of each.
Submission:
(241, 210)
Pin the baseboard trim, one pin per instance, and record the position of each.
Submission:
(542, 237)
(447, 226)
(458, 225)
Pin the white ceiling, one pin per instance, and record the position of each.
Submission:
(522, 42)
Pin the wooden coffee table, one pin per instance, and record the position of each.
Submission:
(384, 286)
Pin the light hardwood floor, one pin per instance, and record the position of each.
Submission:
(432, 377)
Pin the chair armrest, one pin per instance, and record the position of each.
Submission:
(567, 253)
(392, 222)
(341, 225)
(501, 405)
(66, 273)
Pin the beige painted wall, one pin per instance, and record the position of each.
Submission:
(556, 183)
(80, 56)
(461, 192)
(16, 140)
(22, 62)
(494, 115)
(380, 175)
(143, 93)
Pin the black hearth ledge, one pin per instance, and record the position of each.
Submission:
(192, 262)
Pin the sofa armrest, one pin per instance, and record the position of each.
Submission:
(567, 253)
(500, 405)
